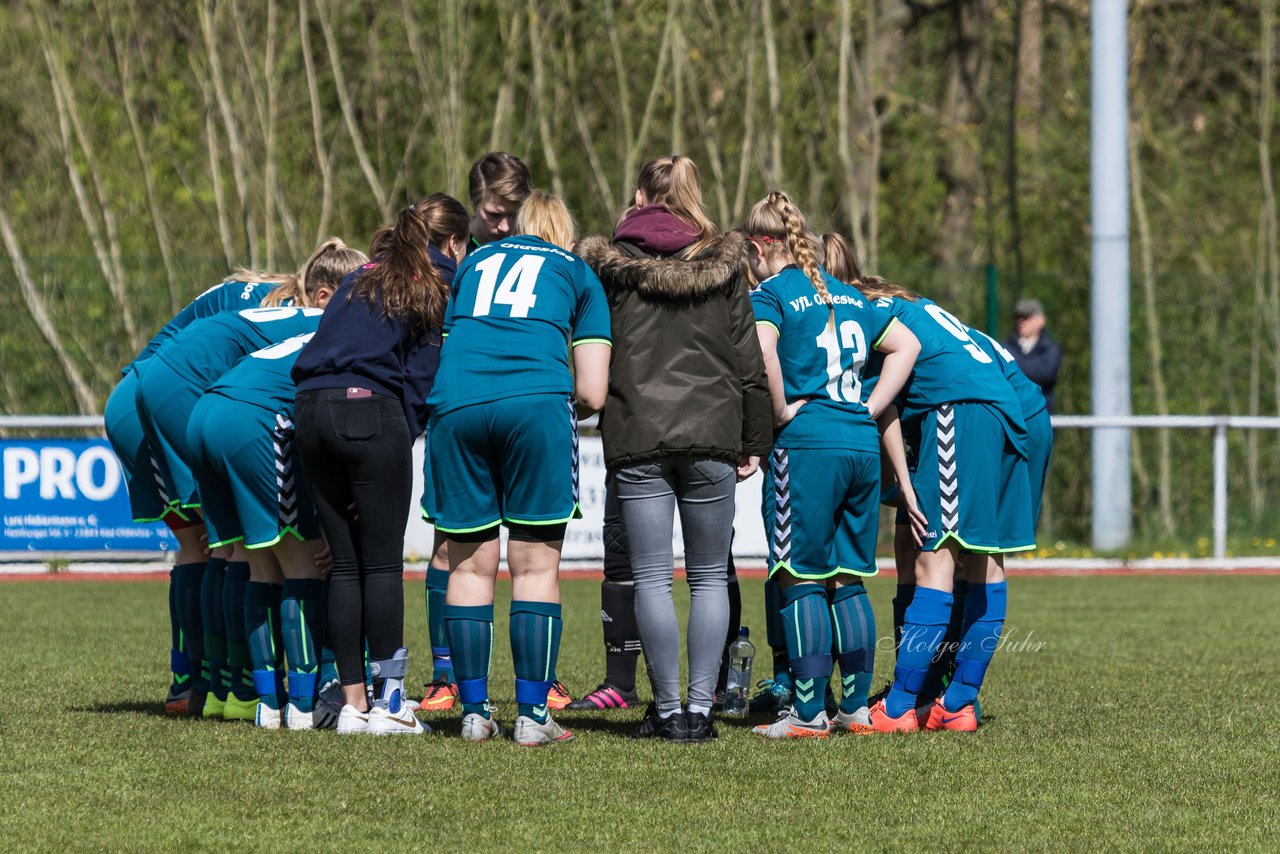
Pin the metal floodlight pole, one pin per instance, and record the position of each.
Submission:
(1109, 302)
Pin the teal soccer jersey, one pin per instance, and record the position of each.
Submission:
(263, 378)
(951, 368)
(205, 350)
(516, 307)
(822, 360)
(227, 296)
(1030, 397)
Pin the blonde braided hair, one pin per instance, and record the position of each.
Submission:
(776, 218)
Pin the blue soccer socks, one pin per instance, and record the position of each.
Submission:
(854, 626)
(535, 646)
(214, 625)
(239, 671)
(924, 626)
(441, 661)
(187, 581)
(302, 618)
(179, 663)
(266, 650)
(806, 621)
(470, 630)
(984, 615)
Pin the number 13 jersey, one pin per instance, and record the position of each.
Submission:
(823, 358)
(516, 307)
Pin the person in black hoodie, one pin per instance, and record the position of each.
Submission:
(688, 409)
(362, 388)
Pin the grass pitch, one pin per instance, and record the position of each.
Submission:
(1126, 712)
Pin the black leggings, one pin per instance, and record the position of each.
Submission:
(357, 453)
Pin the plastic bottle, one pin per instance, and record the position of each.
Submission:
(741, 654)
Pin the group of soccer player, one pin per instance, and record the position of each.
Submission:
(270, 423)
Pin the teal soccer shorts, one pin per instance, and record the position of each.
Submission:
(511, 461)
(822, 511)
(971, 484)
(250, 479)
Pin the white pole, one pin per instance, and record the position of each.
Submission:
(1220, 490)
(1109, 304)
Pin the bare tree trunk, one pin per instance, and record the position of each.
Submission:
(581, 123)
(773, 172)
(962, 170)
(511, 29)
(317, 123)
(239, 159)
(748, 132)
(851, 198)
(349, 116)
(40, 315)
(1155, 346)
(639, 142)
(122, 52)
(1030, 55)
(541, 107)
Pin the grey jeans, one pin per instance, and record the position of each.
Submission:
(649, 495)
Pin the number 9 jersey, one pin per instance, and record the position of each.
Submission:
(822, 362)
(516, 308)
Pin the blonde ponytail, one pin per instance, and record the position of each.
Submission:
(777, 219)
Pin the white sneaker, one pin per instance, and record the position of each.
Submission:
(530, 733)
(858, 723)
(352, 721)
(266, 717)
(793, 726)
(403, 722)
(476, 727)
(295, 718)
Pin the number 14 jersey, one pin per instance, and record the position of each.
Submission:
(516, 307)
(823, 358)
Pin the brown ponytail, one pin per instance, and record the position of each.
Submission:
(874, 287)
(405, 281)
(838, 258)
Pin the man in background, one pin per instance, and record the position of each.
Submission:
(1039, 356)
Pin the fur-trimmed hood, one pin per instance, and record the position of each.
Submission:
(666, 278)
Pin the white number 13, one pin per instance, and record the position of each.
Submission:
(844, 385)
(516, 289)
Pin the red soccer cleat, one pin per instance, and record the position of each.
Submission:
(962, 721)
(882, 722)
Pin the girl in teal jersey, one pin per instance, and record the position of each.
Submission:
(169, 384)
(822, 499)
(971, 484)
(503, 450)
(253, 495)
(147, 497)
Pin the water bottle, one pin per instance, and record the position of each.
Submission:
(741, 653)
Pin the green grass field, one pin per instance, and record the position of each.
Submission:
(1147, 718)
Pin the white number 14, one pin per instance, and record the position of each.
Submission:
(516, 289)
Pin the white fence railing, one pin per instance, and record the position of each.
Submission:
(1219, 424)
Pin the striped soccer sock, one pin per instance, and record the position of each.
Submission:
(535, 646)
(302, 623)
(437, 585)
(854, 625)
(262, 623)
(806, 620)
(470, 629)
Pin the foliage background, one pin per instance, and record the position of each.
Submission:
(149, 147)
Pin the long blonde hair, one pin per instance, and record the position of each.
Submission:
(874, 287)
(781, 224)
(673, 183)
(327, 265)
(546, 215)
(838, 258)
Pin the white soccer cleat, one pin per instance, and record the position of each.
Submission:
(266, 717)
(858, 723)
(295, 718)
(352, 721)
(530, 733)
(385, 722)
(792, 726)
(476, 727)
